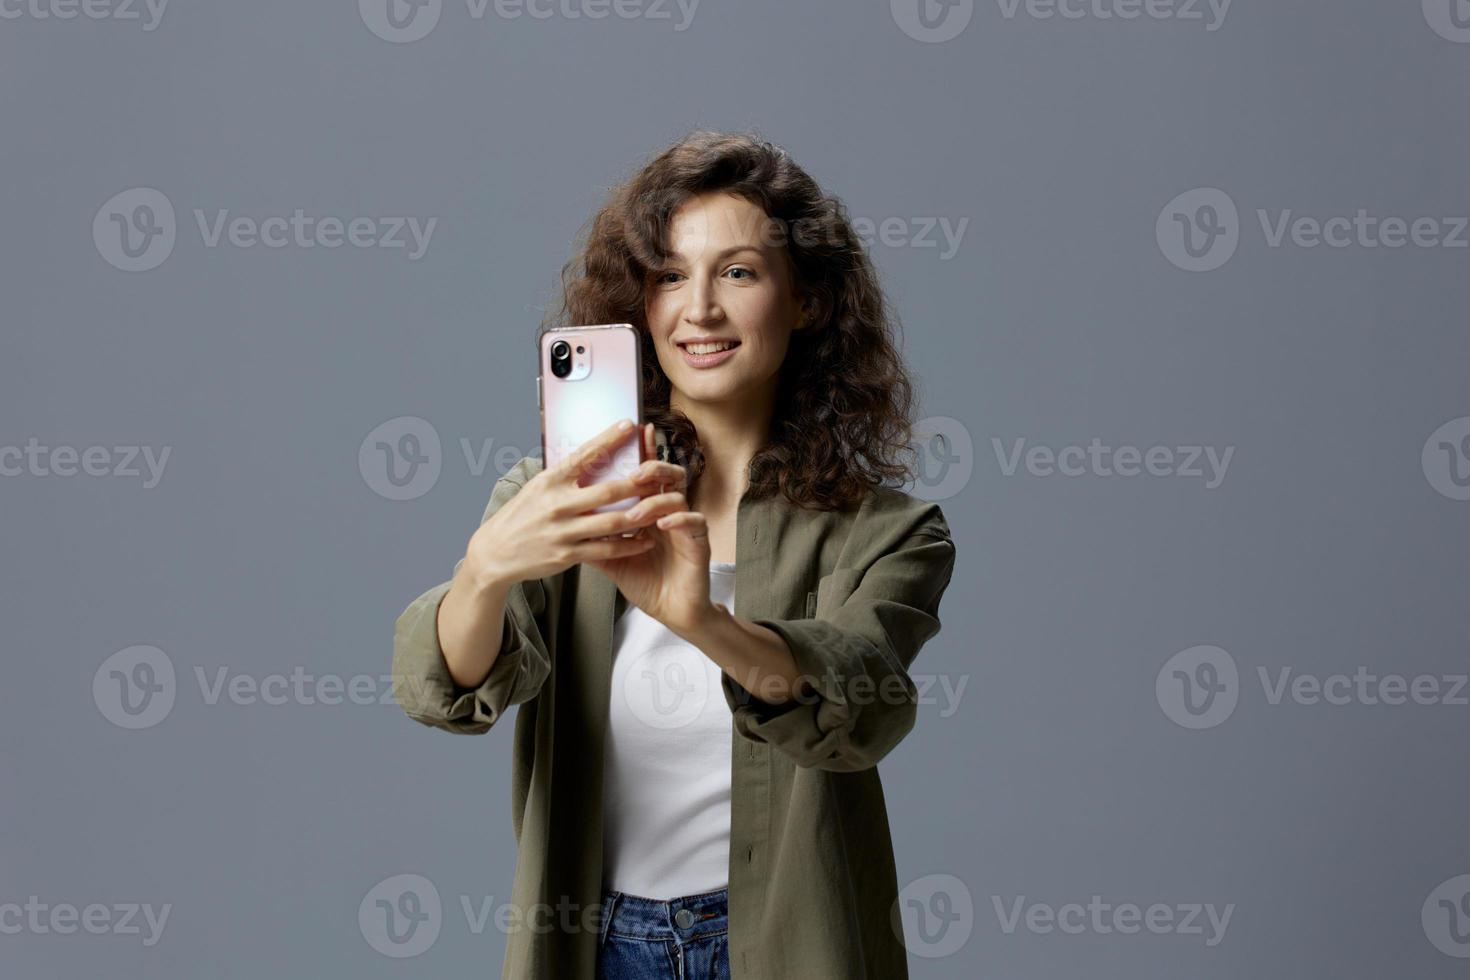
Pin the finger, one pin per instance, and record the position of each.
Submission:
(656, 471)
(690, 523)
(650, 446)
(688, 532)
(602, 525)
(611, 548)
(642, 514)
(649, 509)
(584, 499)
(599, 447)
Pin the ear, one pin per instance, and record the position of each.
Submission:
(803, 315)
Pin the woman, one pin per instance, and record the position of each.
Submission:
(702, 706)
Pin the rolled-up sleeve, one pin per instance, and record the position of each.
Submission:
(856, 655)
(422, 684)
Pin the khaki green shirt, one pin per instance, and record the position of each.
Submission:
(812, 882)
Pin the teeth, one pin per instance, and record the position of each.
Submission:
(713, 348)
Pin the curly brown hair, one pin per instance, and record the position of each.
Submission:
(844, 399)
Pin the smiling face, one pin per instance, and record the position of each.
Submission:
(720, 312)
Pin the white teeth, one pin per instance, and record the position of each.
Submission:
(713, 348)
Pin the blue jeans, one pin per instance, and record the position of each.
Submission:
(648, 939)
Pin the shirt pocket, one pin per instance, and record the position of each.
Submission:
(832, 590)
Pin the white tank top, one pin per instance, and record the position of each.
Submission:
(666, 784)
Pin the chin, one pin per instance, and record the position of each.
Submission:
(703, 391)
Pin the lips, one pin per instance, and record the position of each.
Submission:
(707, 352)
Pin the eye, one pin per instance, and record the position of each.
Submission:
(662, 278)
(749, 273)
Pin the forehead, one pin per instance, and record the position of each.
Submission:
(719, 221)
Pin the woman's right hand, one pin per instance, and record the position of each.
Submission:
(548, 526)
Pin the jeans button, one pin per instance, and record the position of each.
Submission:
(683, 918)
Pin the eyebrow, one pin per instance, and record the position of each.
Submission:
(726, 252)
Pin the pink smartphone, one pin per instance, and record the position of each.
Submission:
(589, 379)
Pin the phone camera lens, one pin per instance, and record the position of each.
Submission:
(581, 349)
(561, 359)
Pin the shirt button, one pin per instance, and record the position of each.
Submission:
(683, 918)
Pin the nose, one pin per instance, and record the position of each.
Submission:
(702, 307)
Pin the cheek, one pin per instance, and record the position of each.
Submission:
(655, 315)
(771, 341)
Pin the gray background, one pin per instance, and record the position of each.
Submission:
(265, 547)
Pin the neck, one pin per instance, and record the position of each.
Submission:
(730, 434)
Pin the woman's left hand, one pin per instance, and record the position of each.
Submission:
(670, 581)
